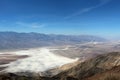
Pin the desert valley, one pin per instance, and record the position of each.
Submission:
(78, 61)
(59, 39)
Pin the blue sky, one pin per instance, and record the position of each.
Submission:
(92, 17)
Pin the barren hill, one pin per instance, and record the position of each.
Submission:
(82, 71)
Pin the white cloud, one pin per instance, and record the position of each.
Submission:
(31, 25)
(84, 10)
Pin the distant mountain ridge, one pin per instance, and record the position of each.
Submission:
(14, 40)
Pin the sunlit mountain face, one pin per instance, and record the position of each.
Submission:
(59, 40)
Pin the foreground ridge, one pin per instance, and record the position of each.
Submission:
(88, 70)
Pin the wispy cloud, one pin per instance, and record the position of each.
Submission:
(85, 10)
(104, 1)
(31, 25)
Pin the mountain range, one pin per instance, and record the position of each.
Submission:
(14, 40)
(97, 58)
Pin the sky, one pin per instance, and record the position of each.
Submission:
(76, 17)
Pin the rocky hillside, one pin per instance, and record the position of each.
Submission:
(112, 74)
(13, 40)
(93, 66)
(92, 69)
